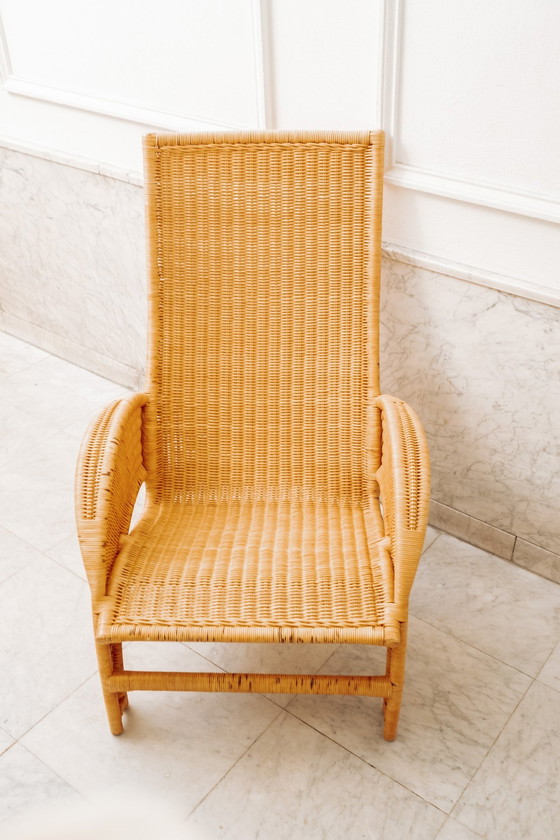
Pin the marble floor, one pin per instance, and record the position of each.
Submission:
(478, 754)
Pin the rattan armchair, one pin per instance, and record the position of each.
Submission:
(286, 500)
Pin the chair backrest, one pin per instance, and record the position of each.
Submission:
(264, 254)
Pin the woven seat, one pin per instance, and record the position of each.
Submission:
(286, 498)
(303, 570)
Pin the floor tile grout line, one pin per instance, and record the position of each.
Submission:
(44, 763)
(236, 762)
(364, 761)
(485, 652)
(52, 709)
(45, 556)
(475, 833)
(42, 549)
(206, 659)
(547, 659)
(433, 542)
(9, 747)
(12, 533)
(490, 748)
(16, 572)
(63, 565)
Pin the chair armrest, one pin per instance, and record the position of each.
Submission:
(404, 485)
(109, 474)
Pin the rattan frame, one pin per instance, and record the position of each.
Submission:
(262, 421)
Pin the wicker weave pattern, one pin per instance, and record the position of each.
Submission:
(262, 438)
(279, 564)
(109, 475)
(271, 355)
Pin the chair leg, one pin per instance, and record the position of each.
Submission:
(396, 658)
(108, 656)
(118, 665)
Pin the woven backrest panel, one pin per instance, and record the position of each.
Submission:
(264, 262)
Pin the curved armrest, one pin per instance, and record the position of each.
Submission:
(404, 484)
(109, 474)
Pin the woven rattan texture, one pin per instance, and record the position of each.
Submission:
(251, 564)
(261, 278)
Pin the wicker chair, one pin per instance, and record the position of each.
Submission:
(286, 500)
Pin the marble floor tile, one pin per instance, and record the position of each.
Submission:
(46, 647)
(15, 554)
(455, 703)
(5, 741)
(453, 830)
(67, 554)
(15, 355)
(475, 740)
(175, 746)
(57, 392)
(20, 430)
(431, 536)
(27, 783)
(550, 671)
(78, 428)
(267, 659)
(516, 791)
(505, 611)
(37, 492)
(284, 786)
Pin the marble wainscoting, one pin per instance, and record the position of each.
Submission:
(482, 368)
(72, 272)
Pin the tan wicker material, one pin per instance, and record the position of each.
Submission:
(262, 438)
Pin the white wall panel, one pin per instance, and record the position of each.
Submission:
(524, 252)
(326, 62)
(467, 93)
(479, 91)
(87, 80)
(470, 110)
(188, 59)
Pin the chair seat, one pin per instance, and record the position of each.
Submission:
(248, 571)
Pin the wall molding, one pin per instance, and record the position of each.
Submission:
(471, 274)
(474, 192)
(75, 161)
(409, 256)
(264, 63)
(449, 185)
(146, 116)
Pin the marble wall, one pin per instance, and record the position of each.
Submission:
(481, 367)
(72, 275)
